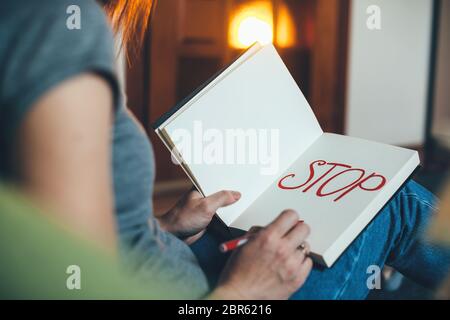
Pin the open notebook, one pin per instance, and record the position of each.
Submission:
(336, 183)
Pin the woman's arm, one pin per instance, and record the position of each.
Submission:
(65, 156)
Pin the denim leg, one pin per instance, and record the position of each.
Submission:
(392, 238)
(413, 254)
(210, 258)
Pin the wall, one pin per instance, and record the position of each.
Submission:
(441, 119)
(388, 72)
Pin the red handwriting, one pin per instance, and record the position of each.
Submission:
(330, 174)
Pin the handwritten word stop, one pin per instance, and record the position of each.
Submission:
(335, 170)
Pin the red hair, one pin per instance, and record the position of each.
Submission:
(130, 17)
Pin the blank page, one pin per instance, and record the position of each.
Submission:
(261, 98)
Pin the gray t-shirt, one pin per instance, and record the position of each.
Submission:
(38, 51)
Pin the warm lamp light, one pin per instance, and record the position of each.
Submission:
(252, 29)
(285, 28)
(254, 21)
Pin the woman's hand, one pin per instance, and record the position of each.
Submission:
(272, 265)
(192, 214)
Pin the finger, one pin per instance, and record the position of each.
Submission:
(299, 256)
(194, 194)
(254, 230)
(283, 223)
(297, 235)
(293, 265)
(304, 271)
(221, 199)
(305, 248)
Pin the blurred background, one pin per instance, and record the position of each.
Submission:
(388, 83)
(385, 79)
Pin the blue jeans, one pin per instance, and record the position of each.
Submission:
(393, 238)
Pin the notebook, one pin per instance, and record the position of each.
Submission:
(250, 129)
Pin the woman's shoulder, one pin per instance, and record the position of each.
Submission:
(19, 8)
(41, 39)
(46, 42)
(64, 24)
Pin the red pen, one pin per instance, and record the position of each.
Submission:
(233, 244)
(236, 243)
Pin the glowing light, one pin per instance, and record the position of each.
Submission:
(252, 22)
(253, 29)
(286, 34)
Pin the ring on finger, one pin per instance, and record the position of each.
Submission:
(304, 248)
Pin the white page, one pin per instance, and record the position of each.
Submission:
(329, 219)
(242, 58)
(258, 94)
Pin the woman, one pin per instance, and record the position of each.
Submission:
(67, 138)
